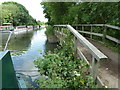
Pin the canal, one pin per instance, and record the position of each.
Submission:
(25, 48)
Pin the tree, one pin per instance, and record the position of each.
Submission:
(83, 12)
(16, 13)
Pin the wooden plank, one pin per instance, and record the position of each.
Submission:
(101, 35)
(99, 82)
(88, 25)
(60, 25)
(96, 34)
(92, 49)
(112, 26)
(113, 39)
(82, 56)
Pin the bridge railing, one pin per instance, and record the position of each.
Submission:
(103, 34)
(95, 53)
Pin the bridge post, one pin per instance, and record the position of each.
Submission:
(94, 68)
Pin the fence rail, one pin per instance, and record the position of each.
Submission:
(103, 35)
(96, 54)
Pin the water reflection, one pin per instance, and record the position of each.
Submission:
(20, 43)
(3, 39)
(26, 47)
(50, 46)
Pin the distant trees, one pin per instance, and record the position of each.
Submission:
(85, 12)
(40, 22)
(15, 13)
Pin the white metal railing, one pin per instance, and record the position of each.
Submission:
(8, 40)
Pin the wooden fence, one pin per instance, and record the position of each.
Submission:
(103, 35)
(96, 54)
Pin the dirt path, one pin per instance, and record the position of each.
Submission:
(108, 70)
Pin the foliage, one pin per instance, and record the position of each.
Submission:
(40, 23)
(55, 12)
(49, 31)
(85, 12)
(15, 13)
(63, 69)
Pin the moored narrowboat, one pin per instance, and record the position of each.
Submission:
(7, 27)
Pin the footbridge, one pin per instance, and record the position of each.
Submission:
(102, 60)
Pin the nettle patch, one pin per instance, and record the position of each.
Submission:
(63, 69)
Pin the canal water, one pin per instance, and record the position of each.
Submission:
(27, 47)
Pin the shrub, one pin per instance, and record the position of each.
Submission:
(63, 69)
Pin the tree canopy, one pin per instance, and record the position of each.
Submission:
(82, 12)
(15, 13)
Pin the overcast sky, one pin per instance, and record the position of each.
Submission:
(33, 6)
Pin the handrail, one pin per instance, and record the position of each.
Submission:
(95, 52)
(112, 26)
(107, 25)
(88, 25)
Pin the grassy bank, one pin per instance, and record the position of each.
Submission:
(49, 31)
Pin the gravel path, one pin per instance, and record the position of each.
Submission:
(108, 70)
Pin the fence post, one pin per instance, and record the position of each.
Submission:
(104, 32)
(76, 27)
(83, 30)
(91, 32)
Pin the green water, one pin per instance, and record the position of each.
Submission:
(25, 48)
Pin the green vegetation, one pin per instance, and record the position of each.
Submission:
(40, 23)
(63, 69)
(15, 13)
(108, 43)
(49, 31)
(85, 12)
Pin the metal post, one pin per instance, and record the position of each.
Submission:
(8, 40)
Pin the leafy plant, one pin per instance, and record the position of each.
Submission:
(63, 69)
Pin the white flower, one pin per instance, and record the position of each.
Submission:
(105, 86)
(77, 74)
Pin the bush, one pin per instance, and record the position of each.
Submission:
(63, 69)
